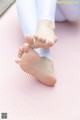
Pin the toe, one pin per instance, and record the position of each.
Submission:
(20, 52)
(36, 37)
(44, 40)
(40, 39)
(56, 38)
(50, 43)
(26, 47)
(18, 61)
(29, 40)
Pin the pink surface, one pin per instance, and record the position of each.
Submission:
(21, 96)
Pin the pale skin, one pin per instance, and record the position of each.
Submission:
(30, 62)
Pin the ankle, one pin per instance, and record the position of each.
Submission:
(46, 23)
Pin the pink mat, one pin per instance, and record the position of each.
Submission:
(21, 96)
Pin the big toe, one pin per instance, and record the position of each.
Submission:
(26, 47)
(29, 39)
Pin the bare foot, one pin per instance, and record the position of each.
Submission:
(39, 67)
(45, 36)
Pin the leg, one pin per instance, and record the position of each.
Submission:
(45, 30)
(59, 17)
(30, 61)
(71, 12)
(29, 21)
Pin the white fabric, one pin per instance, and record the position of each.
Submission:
(71, 11)
(59, 14)
(46, 9)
